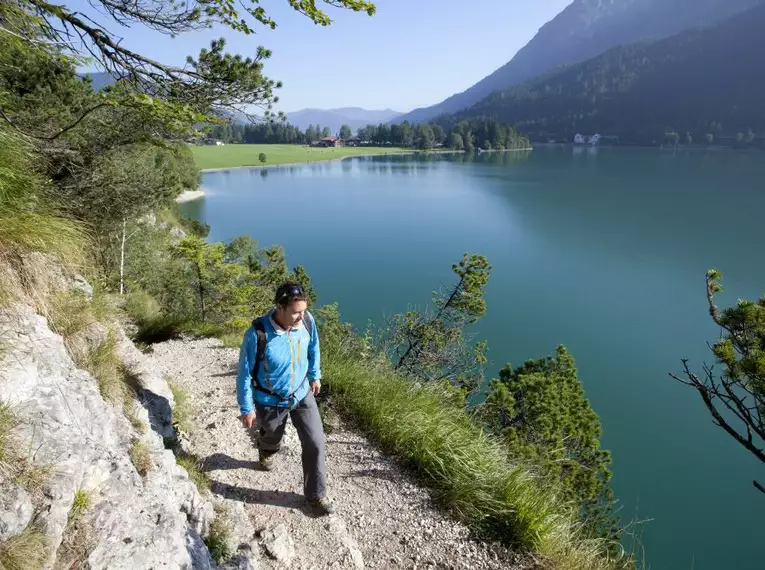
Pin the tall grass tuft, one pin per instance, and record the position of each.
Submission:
(218, 538)
(8, 423)
(469, 471)
(183, 413)
(29, 219)
(193, 466)
(79, 538)
(24, 551)
(141, 457)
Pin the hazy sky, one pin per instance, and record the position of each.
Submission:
(412, 53)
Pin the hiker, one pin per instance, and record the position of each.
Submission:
(279, 376)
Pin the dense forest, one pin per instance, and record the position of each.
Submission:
(268, 132)
(702, 86)
(463, 135)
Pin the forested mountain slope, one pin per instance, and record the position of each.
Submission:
(585, 29)
(705, 82)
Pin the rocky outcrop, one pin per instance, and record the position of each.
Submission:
(16, 509)
(154, 521)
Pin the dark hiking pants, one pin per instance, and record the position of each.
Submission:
(271, 422)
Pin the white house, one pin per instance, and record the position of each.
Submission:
(579, 139)
(594, 139)
(220, 143)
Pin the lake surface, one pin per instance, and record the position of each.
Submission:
(603, 250)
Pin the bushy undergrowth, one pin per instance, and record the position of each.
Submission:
(30, 220)
(470, 471)
(218, 538)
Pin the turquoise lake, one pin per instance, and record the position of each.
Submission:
(603, 250)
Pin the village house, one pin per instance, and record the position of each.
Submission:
(329, 141)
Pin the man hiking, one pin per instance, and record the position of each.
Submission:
(279, 377)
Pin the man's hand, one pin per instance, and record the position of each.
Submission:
(315, 387)
(247, 419)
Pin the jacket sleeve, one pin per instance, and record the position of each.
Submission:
(247, 355)
(314, 354)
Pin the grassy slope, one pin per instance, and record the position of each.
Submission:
(469, 471)
(232, 155)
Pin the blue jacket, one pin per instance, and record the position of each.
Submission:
(293, 361)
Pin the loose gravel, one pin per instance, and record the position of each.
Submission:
(383, 518)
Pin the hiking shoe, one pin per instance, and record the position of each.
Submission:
(266, 463)
(320, 507)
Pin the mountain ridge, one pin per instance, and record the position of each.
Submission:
(585, 29)
(684, 84)
(354, 117)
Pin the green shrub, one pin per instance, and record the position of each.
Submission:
(469, 470)
(80, 504)
(218, 540)
(193, 466)
(142, 307)
(182, 412)
(541, 410)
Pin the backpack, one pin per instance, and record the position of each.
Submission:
(260, 356)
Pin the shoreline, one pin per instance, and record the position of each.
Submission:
(190, 195)
(339, 158)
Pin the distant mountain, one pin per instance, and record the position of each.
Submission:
(584, 29)
(354, 117)
(99, 80)
(706, 82)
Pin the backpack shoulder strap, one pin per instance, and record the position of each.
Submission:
(308, 323)
(260, 356)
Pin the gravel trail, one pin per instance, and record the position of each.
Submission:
(383, 518)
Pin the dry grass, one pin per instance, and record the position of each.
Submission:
(78, 539)
(27, 550)
(75, 318)
(141, 458)
(30, 221)
(8, 423)
(13, 465)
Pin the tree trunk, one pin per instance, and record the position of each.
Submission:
(122, 257)
(201, 292)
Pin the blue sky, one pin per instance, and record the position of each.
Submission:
(412, 53)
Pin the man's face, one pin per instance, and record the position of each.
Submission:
(293, 313)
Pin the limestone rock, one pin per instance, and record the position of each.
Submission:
(278, 544)
(242, 530)
(16, 509)
(240, 562)
(141, 522)
(153, 390)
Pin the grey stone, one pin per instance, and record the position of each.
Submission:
(241, 562)
(153, 390)
(151, 522)
(242, 530)
(80, 284)
(278, 544)
(16, 509)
